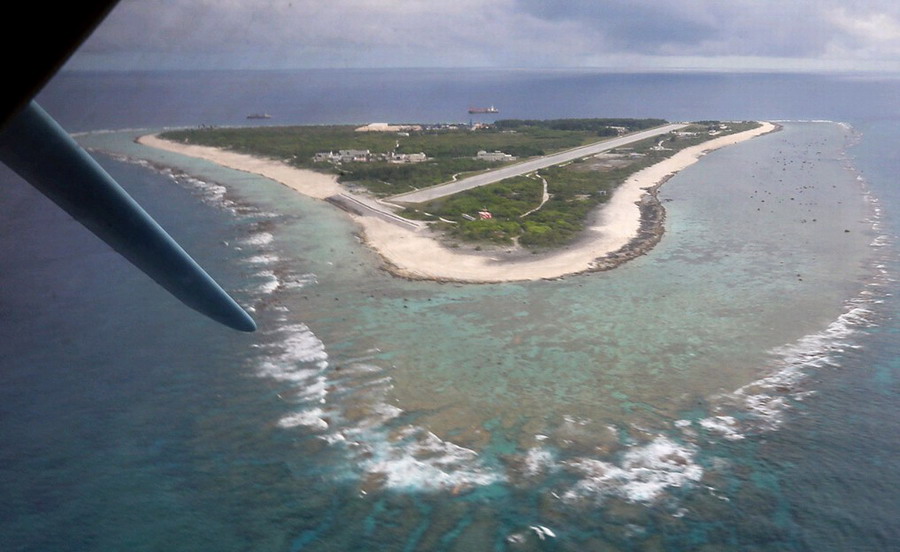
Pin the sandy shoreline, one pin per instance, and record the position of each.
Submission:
(628, 225)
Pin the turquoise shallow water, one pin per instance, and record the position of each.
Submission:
(611, 381)
(780, 216)
(735, 389)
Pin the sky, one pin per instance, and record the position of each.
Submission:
(789, 35)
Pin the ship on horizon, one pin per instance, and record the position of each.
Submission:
(259, 116)
(491, 109)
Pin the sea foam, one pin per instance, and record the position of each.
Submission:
(642, 474)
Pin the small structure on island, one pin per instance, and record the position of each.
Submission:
(326, 157)
(494, 156)
(342, 156)
(358, 156)
(408, 157)
(366, 156)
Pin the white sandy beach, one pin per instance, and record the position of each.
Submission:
(420, 255)
(310, 183)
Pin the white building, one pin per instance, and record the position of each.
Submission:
(349, 156)
(494, 156)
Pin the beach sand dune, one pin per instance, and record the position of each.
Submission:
(612, 239)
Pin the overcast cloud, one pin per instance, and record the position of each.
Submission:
(623, 34)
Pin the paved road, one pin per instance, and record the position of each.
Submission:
(367, 206)
(443, 190)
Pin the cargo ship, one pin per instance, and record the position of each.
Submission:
(491, 109)
(259, 116)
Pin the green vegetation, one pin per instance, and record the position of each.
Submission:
(450, 149)
(297, 144)
(575, 188)
(600, 127)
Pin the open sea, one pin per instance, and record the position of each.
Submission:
(735, 389)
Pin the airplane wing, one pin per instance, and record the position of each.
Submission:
(40, 151)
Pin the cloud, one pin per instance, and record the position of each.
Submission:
(697, 27)
(628, 25)
(472, 33)
(865, 34)
(338, 32)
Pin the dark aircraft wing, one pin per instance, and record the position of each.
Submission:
(40, 151)
(45, 37)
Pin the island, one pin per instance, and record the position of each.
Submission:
(514, 200)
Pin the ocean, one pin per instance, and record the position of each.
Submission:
(734, 389)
